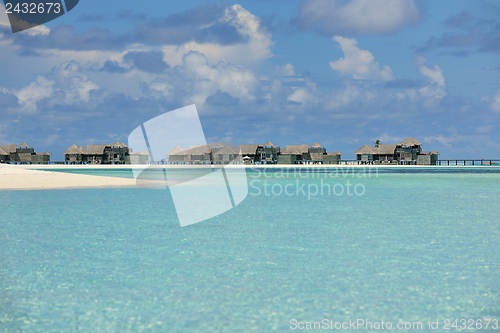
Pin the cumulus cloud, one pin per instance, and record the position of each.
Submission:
(201, 24)
(229, 34)
(74, 82)
(256, 46)
(305, 96)
(36, 91)
(66, 84)
(198, 80)
(356, 17)
(359, 63)
(435, 89)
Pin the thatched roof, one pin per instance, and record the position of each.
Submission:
(73, 150)
(123, 145)
(409, 142)
(139, 153)
(429, 153)
(218, 145)
(3, 152)
(249, 149)
(337, 153)
(176, 150)
(316, 145)
(269, 144)
(364, 150)
(116, 144)
(226, 150)
(95, 149)
(46, 153)
(386, 149)
(196, 150)
(9, 148)
(23, 145)
(295, 149)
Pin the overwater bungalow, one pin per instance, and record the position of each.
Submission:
(115, 153)
(409, 151)
(267, 153)
(293, 154)
(225, 155)
(249, 152)
(23, 154)
(193, 155)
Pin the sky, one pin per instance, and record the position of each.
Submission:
(337, 72)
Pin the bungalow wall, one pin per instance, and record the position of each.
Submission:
(383, 157)
(364, 157)
(267, 154)
(287, 159)
(200, 159)
(424, 160)
(331, 159)
(73, 158)
(178, 158)
(40, 159)
(316, 156)
(23, 155)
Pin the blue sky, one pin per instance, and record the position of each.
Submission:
(343, 73)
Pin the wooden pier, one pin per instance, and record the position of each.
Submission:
(468, 162)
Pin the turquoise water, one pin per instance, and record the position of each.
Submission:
(414, 246)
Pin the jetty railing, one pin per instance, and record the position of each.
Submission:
(468, 162)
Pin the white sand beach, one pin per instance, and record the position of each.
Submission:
(16, 177)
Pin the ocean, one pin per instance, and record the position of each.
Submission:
(400, 245)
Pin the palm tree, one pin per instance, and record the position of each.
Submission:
(377, 143)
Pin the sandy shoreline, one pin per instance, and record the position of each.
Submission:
(14, 177)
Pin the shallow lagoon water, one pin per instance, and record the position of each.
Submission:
(415, 246)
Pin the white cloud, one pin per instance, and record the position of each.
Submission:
(359, 63)
(68, 79)
(286, 70)
(343, 96)
(435, 90)
(38, 30)
(198, 80)
(387, 139)
(256, 48)
(357, 16)
(36, 91)
(304, 95)
(74, 82)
